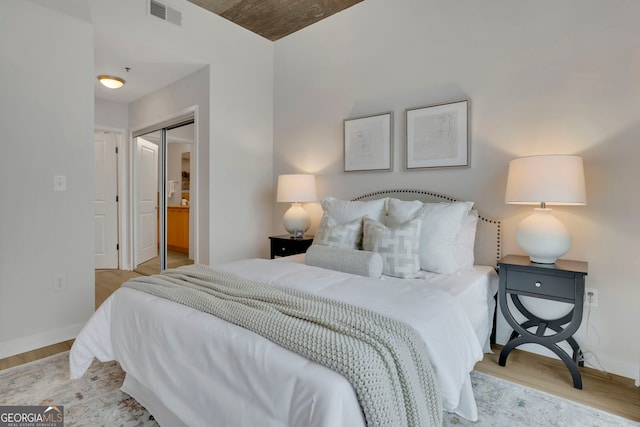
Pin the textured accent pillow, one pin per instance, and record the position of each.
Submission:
(398, 246)
(466, 241)
(362, 263)
(331, 233)
(345, 211)
(441, 226)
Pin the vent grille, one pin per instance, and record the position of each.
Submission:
(165, 12)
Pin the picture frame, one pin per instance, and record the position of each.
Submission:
(438, 136)
(368, 143)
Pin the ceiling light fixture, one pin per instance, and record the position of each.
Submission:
(110, 81)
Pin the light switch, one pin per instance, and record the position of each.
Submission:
(59, 183)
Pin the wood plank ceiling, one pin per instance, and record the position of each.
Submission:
(274, 19)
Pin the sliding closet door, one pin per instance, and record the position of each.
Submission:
(162, 218)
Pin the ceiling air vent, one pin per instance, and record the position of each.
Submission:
(164, 12)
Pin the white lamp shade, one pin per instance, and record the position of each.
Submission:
(296, 188)
(549, 179)
(545, 180)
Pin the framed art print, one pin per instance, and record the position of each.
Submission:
(368, 143)
(437, 136)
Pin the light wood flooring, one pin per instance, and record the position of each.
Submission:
(610, 393)
(175, 259)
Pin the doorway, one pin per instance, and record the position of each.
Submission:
(163, 197)
(106, 199)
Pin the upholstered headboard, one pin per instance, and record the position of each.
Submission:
(487, 250)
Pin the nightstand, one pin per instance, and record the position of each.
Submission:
(562, 281)
(286, 245)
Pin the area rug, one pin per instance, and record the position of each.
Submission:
(96, 399)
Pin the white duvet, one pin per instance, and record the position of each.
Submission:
(190, 366)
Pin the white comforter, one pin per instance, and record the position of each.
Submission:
(208, 372)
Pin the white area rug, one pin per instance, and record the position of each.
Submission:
(96, 399)
(506, 404)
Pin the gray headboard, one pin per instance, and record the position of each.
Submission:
(487, 250)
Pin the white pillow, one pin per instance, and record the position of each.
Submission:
(362, 263)
(466, 241)
(441, 226)
(331, 233)
(344, 211)
(398, 246)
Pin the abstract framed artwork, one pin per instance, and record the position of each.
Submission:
(437, 136)
(368, 144)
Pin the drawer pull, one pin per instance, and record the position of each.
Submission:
(283, 249)
(537, 284)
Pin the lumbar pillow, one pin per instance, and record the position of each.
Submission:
(398, 246)
(331, 233)
(362, 263)
(441, 226)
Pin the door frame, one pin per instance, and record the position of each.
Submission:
(121, 182)
(150, 126)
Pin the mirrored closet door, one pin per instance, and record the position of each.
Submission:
(162, 197)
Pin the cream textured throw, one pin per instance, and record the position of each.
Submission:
(385, 360)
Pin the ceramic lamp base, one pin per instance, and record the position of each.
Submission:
(543, 236)
(296, 219)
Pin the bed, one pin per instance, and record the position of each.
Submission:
(190, 368)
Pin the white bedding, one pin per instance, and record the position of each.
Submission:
(187, 365)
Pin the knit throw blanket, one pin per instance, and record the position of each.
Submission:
(385, 360)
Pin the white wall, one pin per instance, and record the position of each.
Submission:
(46, 117)
(111, 115)
(237, 141)
(48, 125)
(191, 91)
(542, 77)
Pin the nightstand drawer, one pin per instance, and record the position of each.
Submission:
(279, 250)
(285, 245)
(541, 284)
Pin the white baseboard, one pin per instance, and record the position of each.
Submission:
(39, 340)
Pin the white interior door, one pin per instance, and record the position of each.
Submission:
(106, 206)
(146, 170)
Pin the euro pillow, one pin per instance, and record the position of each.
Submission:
(344, 210)
(466, 241)
(362, 263)
(441, 227)
(331, 233)
(398, 246)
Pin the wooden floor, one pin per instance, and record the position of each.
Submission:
(607, 392)
(610, 393)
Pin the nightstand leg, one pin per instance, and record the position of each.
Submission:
(513, 343)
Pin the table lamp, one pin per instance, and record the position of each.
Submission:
(296, 189)
(545, 180)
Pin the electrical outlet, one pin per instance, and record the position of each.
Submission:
(59, 283)
(591, 297)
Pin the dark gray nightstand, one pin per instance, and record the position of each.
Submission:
(286, 245)
(562, 281)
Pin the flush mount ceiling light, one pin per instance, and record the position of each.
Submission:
(110, 81)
